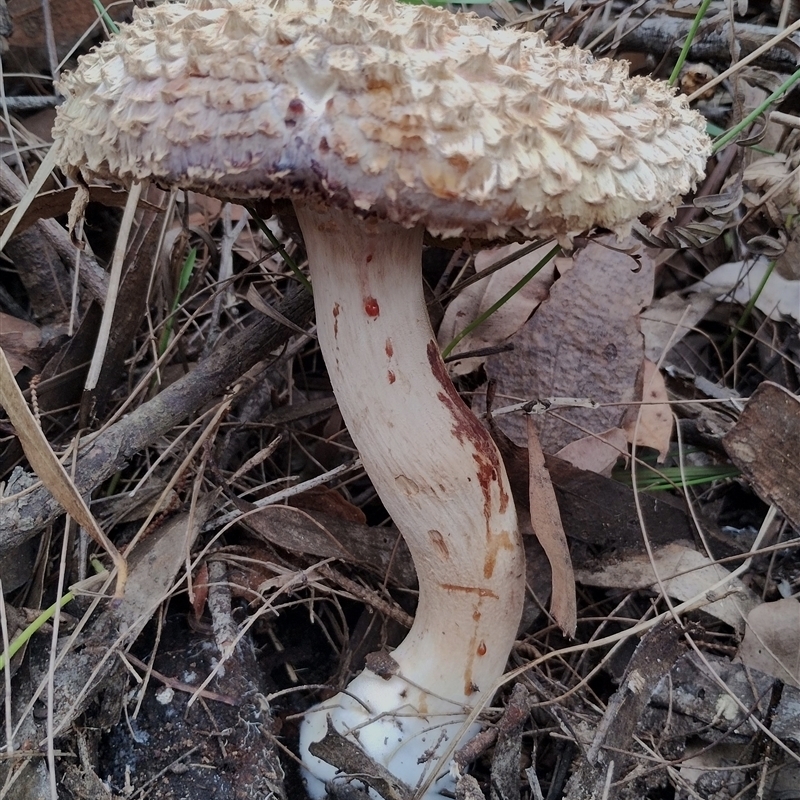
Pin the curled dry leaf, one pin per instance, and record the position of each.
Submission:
(777, 177)
(476, 299)
(546, 523)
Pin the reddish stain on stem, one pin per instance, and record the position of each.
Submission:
(466, 426)
(487, 460)
(389, 348)
(440, 544)
(478, 590)
(500, 541)
(489, 564)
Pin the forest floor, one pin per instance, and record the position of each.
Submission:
(661, 375)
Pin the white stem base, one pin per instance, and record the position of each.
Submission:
(441, 478)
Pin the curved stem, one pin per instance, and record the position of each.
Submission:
(434, 466)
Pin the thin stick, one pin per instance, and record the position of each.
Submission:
(6, 673)
(113, 287)
(51, 670)
(795, 26)
(42, 174)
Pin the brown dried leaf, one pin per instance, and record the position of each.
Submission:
(598, 514)
(329, 501)
(546, 523)
(49, 469)
(651, 426)
(323, 536)
(200, 586)
(18, 338)
(598, 452)
(583, 341)
(154, 564)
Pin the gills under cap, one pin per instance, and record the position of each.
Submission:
(408, 113)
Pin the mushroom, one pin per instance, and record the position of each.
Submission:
(378, 122)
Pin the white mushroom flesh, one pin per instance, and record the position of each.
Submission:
(410, 113)
(441, 478)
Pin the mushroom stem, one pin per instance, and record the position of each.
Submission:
(441, 478)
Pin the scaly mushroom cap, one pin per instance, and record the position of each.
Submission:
(411, 113)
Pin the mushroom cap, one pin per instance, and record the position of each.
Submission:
(411, 113)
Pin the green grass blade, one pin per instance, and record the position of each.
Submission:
(653, 479)
(726, 138)
(687, 45)
(287, 259)
(46, 615)
(101, 10)
(551, 254)
(183, 282)
(751, 304)
(24, 637)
